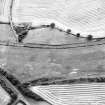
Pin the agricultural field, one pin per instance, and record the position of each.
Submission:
(63, 50)
(85, 17)
(32, 63)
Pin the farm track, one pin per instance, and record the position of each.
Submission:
(48, 46)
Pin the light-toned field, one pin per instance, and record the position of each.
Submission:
(4, 10)
(83, 16)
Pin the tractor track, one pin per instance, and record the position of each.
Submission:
(48, 46)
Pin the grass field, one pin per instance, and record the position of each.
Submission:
(31, 63)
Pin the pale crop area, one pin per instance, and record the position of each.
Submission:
(81, 16)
